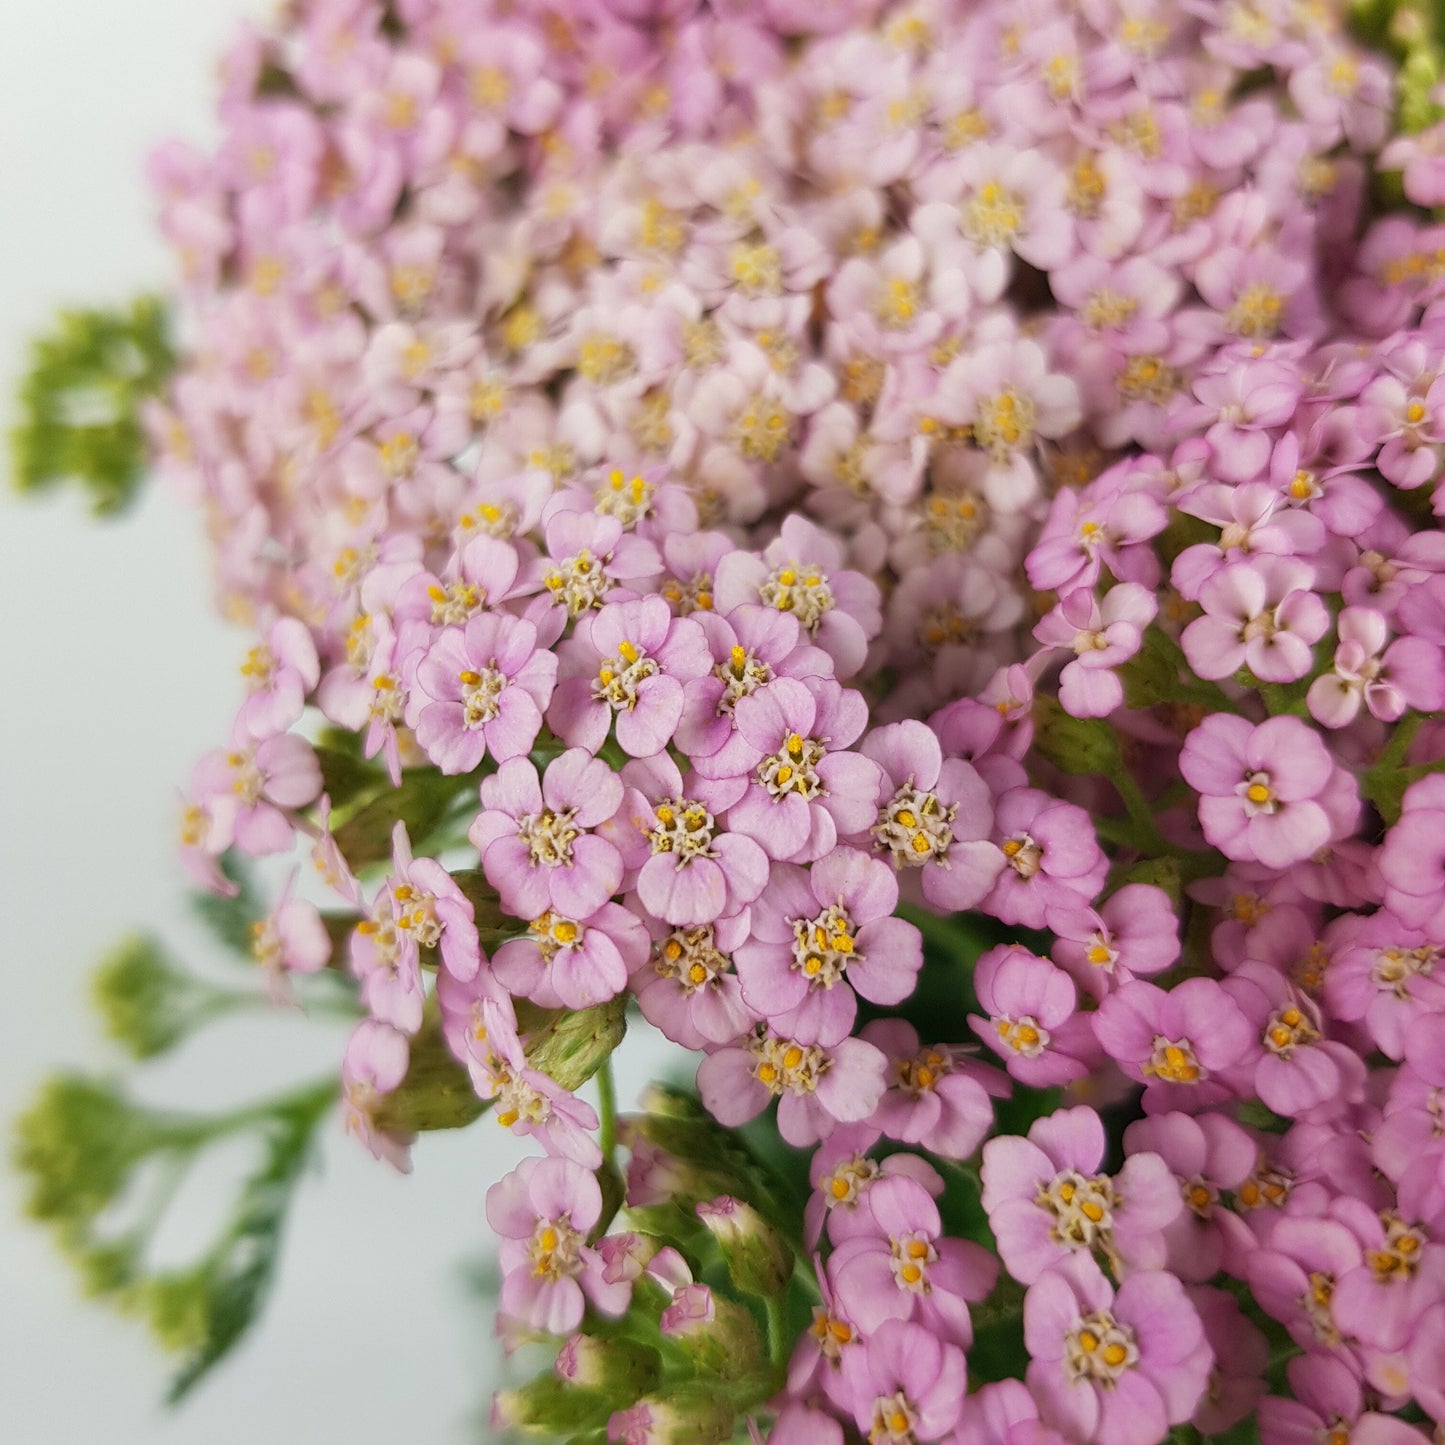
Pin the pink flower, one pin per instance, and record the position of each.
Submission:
(279, 674)
(802, 572)
(901, 1266)
(1114, 1367)
(570, 963)
(537, 840)
(689, 869)
(1135, 931)
(374, 1064)
(587, 556)
(907, 1384)
(1047, 1200)
(1208, 1155)
(1101, 635)
(1259, 787)
(818, 928)
(1177, 1043)
(1052, 857)
(1261, 614)
(688, 988)
(431, 911)
(1253, 518)
(1293, 1069)
(1239, 405)
(250, 790)
(1031, 1021)
(487, 685)
(292, 938)
(1410, 674)
(624, 669)
(750, 647)
(935, 814)
(802, 789)
(1005, 393)
(817, 1087)
(542, 1211)
(1328, 1396)
(936, 1097)
(989, 204)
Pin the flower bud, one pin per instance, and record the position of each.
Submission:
(621, 1368)
(575, 1043)
(549, 1405)
(759, 1259)
(146, 1003)
(686, 1417)
(718, 1335)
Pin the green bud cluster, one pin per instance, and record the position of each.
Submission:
(82, 397)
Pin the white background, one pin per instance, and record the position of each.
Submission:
(114, 676)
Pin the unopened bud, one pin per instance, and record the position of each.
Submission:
(620, 1368)
(549, 1405)
(575, 1043)
(685, 1417)
(727, 1344)
(759, 1259)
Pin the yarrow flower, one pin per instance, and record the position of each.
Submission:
(904, 540)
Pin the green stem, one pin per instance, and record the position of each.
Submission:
(778, 1341)
(607, 1109)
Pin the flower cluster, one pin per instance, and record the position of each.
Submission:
(898, 539)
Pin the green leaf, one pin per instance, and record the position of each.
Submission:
(82, 398)
(238, 1273)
